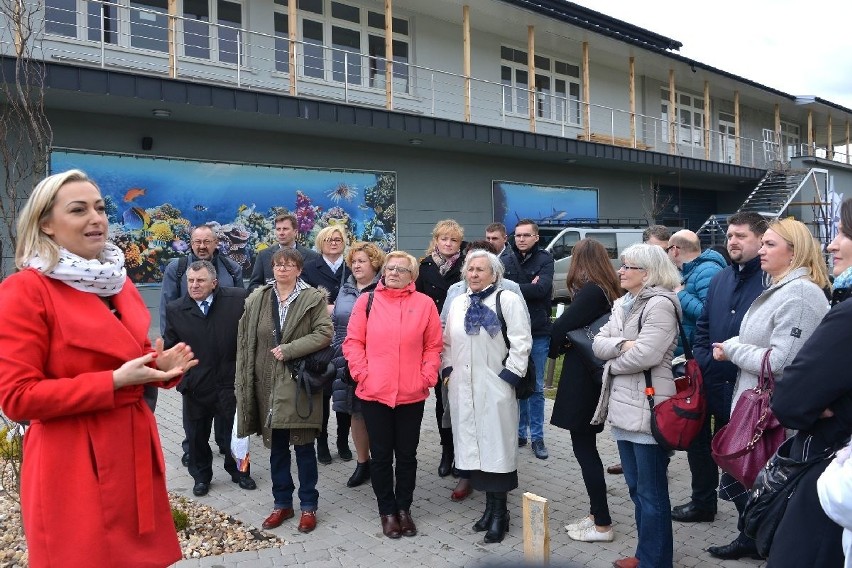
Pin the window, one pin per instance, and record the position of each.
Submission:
(102, 19)
(204, 41)
(149, 25)
(790, 140)
(282, 36)
(689, 117)
(557, 85)
(60, 17)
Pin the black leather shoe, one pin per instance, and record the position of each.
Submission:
(690, 513)
(360, 475)
(343, 450)
(735, 550)
(446, 465)
(323, 455)
(184, 460)
(200, 489)
(245, 482)
(522, 442)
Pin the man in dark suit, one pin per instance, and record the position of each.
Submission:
(208, 316)
(285, 234)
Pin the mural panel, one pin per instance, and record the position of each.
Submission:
(514, 201)
(153, 203)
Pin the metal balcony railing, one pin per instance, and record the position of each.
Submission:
(149, 41)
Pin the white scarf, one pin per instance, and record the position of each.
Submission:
(102, 277)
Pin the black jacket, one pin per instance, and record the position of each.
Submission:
(523, 269)
(261, 272)
(579, 389)
(317, 273)
(214, 342)
(731, 293)
(433, 284)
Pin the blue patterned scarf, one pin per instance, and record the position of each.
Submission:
(479, 315)
(844, 280)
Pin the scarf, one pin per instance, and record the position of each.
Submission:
(102, 277)
(280, 307)
(844, 280)
(444, 264)
(479, 315)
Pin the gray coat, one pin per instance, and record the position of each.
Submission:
(782, 318)
(623, 402)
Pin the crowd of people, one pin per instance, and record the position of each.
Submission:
(383, 332)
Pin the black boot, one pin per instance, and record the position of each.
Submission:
(361, 474)
(499, 518)
(323, 455)
(446, 465)
(483, 523)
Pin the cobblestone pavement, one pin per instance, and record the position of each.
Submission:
(349, 534)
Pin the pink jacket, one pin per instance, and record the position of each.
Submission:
(394, 355)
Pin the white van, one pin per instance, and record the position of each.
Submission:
(559, 240)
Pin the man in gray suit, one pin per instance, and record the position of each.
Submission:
(285, 234)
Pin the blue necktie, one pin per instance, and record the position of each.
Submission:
(204, 305)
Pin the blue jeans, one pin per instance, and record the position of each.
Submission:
(531, 410)
(282, 479)
(645, 468)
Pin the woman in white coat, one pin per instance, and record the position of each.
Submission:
(481, 374)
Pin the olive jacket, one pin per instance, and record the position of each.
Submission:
(266, 398)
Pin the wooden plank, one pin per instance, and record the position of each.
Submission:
(829, 147)
(536, 530)
(672, 115)
(737, 160)
(587, 124)
(706, 120)
(172, 8)
(531, 74)
(466, 62)
(388, 54)
(810, 132)
(632, 97)
(293, 36)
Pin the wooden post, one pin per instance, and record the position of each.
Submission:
(847, 141)
(293, 32)
(672, 114)
(778, 132)
(536, 530)
(829, 151)
(810, 132)
(632, 97)
(173, 38)
(466, 62)
(587, 124)
(706, 120)
(737, 127)
(531, 74)
(388, 54)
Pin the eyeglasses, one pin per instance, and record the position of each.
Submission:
(670, 247)
(284, 266)
(398, 269)
(207, 242)
(334, 241)
(524, 235)
(628, 267)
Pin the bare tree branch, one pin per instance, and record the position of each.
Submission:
(653, 200)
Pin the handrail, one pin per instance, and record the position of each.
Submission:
(426, 90)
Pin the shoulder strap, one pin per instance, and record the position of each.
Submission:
(687, 348)
(502, 324)
(181, 267)
(231, 267)
(369, 303)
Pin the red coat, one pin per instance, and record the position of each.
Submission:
(394, 355)
(93, 490)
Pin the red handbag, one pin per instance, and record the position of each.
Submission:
(744, 445)
(676, 421)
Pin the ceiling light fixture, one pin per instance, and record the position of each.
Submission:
(161, 113)
(415, 141)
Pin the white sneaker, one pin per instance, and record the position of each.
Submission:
(580, 524)
(591, 534)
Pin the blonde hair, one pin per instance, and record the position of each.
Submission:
(446, 227)
(412, 262)
(806, 253)
(326, 234)
(373, 252)
(38, 208)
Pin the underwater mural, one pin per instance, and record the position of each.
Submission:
(543, 204)
(153, 204)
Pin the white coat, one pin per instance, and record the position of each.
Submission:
(834, 487)
(483, 406)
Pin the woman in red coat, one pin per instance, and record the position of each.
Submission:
(74, 356)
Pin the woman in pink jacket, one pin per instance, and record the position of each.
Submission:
(393, 346)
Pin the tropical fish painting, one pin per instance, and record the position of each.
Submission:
(133, 193)
(136, 218)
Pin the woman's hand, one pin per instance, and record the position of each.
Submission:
(626, 345)
(138, 372)
(179, 356)
(719, 352)
(277, 353)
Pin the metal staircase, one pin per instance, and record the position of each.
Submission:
(771, 198)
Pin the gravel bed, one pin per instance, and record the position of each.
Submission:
(208, 533)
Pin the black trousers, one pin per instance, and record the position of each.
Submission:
(221, 435)
(445, 433)
(394, 433)
(586, 451)
(198, 421)
(344, 419)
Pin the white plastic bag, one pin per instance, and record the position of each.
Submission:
(240, 448)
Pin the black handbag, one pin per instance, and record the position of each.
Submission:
(313, 373)
(774, 487)
(581, 340)
(526, 386)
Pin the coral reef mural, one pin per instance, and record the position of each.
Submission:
(513, 201)
(153, 204)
